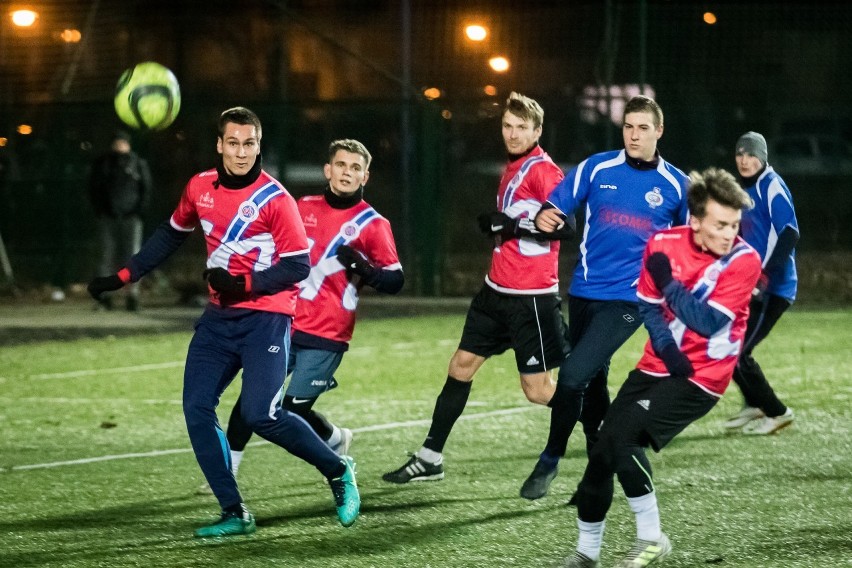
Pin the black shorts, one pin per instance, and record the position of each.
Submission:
(531, 325)
(653, 410)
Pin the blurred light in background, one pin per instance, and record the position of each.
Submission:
(432, 93)
(489, 90)
(446, 114)
(71, 36)
(709, 18)
(499, 64)
(25, 129)
(24, 18)
(475, 32)
(3, 141)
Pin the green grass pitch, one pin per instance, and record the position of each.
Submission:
(95, 466)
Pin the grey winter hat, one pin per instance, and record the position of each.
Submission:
(754, 144)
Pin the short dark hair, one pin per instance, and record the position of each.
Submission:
(238, 115)
(641, 103)
(720, 186)
(350, 145)
(524, 108)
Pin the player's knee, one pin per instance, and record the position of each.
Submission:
(464, 365)
(538, 391)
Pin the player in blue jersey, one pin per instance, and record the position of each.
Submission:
(771, 228)
(626, 196)
(257, 253)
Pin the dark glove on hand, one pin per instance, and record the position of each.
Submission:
(98, 286)
(760, 287)
(660, 269)
(496, 223)
(676, 362)
(354, 262)
(231, 288)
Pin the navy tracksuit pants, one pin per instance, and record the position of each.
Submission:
(225, 341)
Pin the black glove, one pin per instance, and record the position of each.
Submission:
(231, 288)
(98, 286)
(354, 262)
(660, 269)
(496, 224)
(676, 362)
(760, 286)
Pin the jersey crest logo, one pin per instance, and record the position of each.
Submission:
(205, 201)
(310, 220)
(248, 211)
(712, 273)
(350, 230)
(654, 198)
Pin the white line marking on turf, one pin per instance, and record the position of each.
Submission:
(156, 453)
(130, 369)
(173, 364)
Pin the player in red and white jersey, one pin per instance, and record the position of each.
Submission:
(518, 306)
(351, 245)
(694, 291)
(520, 264)
(719, 283)
(257, 253)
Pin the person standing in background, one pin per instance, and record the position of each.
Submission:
(119, 190)
(772, 229)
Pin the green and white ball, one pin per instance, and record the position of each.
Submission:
(147, 96)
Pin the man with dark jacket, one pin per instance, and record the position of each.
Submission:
(119, 188)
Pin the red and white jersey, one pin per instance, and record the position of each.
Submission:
(246, 230)
(526, 266)
(328, 299)
(724, 283)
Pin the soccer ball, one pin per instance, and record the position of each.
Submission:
(147, 96)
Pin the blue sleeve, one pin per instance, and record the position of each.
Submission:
(784, 246)
(683, 209)
(386, 281)
(698, 316)
(165, 240)
(655, 323)
(280, 276)
(562, 196)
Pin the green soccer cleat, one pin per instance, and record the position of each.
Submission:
(645, 552)
(228, 525)
(346, 496)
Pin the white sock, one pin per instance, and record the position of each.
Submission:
(335, 437)
(430, 456)
(647, 516)
(591, 538)
(236, 458)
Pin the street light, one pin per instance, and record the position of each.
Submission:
(476, 32)
(499, 64)
(24, 18)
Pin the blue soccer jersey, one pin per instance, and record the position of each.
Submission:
(773, 211)
(624, 206)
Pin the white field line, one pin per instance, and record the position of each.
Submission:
(174, 364)
(157, 453)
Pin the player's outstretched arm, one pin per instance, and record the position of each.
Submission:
(154, 251)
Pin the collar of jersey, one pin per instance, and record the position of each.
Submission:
(343, 201)
(643, 164)
(751, 180)
(238, 182)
